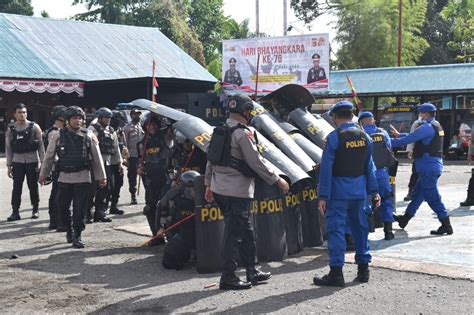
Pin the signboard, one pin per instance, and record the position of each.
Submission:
(275, 61)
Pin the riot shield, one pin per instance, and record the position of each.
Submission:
(265, 122)
(209, 231)
(311, 149)
(196, 130)
(160, 109)
(288, 98)
(315, 128)
(293, 220)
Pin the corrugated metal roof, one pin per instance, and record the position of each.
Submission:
(439, 79)
(40, 48)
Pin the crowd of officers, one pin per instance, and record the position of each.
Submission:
(85, 166)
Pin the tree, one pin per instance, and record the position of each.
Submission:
(367, 32)
(437, 31)
(22, 7)
(309, 10)
(44, 14)
(460, 14)
(106, 11)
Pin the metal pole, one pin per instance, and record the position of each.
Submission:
(375, 109)
(257, 18)
(400, 13)
(285, 17)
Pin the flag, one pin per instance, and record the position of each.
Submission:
(154, 82)
(354, 93)
(220, 92)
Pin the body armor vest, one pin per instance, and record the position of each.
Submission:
(351, 155)
(380, 151)
(73, 151)
(197, 162)
(106, 139)
(24, 141)
(46, 135)
(157, 153)
(184, 207)
(435, 147)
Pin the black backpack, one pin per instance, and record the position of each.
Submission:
(218, 152)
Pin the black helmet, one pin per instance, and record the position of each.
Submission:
(73, 111)
(104, 112)
(188, 178)
(239, 103)
(58, 111)
(116, 114)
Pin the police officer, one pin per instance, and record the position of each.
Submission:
(232, 75)
(57, 114)
(470, 189)
(117, 123)
(78, 153)
(427, 152)
(154, 166)
(382, 157)
(233, 192)
(178, 204)
(185, 157)
(110, 151)
(133, 133)
(24, 150)
(347, 175)
(316, 73)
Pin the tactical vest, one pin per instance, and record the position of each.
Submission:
(46, 135)
(183, 207)
(380, 151)
(435, 147)
(106, 138)
(157, 153)
(197, 162)
(120, 138)
(73, 151)
(24, 141)
(351, 155)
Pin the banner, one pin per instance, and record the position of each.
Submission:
(275, 62)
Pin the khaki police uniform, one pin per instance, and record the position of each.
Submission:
(133, 134)
(233, 193)
(24, 165)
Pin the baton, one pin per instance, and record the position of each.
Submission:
(169, 229)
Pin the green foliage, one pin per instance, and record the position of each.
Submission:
(215, 67)
(460, 15)
(44, 14)
(309, 10)
(106, 11)
(22, 7)
(368, 32)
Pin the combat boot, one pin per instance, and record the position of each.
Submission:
(363, 273)
(467, 203)
(115, 210)
(255, 275)
(99, 216)
(35, 212)
(76, 241)
(133, 200)
(387, 229)
(14, 216)
(334, 278)
(69, 234)
(408, 196)
(445, 227)
(403, 219)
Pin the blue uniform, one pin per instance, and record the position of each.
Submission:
(429, 169)
(345, 202)
(383, 182)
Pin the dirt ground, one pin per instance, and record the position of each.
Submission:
(114, 274)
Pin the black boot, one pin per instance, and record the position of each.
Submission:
(115, 210)
(467, 203)
(255, 275)
(349, 243)
(234, 283)
(403, 219)
(371, 223)
(76, 241)
(445, 227)
(387, 229)
(334, 278)
(35, 212)
(14, 216)
(133, 200)
(69, 234)
(408, 196)
(99, 216)
(363, 273)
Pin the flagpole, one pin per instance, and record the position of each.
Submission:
(153, 97)
(256, 78)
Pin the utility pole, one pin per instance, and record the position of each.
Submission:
(285, 18)
(257, 18)
(400, 13)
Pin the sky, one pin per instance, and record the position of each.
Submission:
(271, 15)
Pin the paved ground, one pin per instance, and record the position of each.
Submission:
(115, 275)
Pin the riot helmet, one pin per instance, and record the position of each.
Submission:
(118, 119)
(104, 112)
(73, 111)
(58, 112)
(240, 103)
(188, 178)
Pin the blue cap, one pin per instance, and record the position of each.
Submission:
(426, 108)
(339, 105)
(365, 115)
